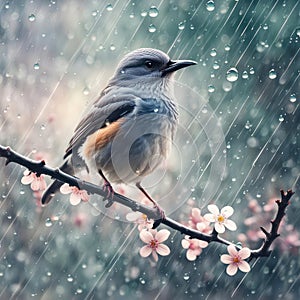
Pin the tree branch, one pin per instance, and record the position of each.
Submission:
(39, 167)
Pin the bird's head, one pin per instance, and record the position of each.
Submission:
(148, 63)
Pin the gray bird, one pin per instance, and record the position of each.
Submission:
(130, 127)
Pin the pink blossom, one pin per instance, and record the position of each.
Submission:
(193, 246)
(140, 219)
(220, 218)
(76, 194)
(37, 182)
(236, 260)
(154, 239)
(195, 217)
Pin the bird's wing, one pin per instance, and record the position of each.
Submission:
(108, 109)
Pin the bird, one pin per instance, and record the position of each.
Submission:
(129, 129)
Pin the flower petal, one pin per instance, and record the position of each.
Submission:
(163, 250)
(230, 225)
(232, 250)
(226, 259)
(244, 266)
(219, 228)
(213, 209)
(27, 179)
(75, 199)
(244, 253)
(209, 217)
(190, 255)
(35, 185)
(185, 244)
(146, 236)
(84, 195)
(196, 214)
(145, 251)
(227, 211)
(231, 269)
(202, 244)
(65, 189)
(43, 183)
(155, 256)
(162, 235)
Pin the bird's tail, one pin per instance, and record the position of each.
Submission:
(56, 184)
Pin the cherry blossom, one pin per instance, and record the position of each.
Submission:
(76, 194)
(193, 246)
(140, 219)
(154, 239)
(220, 218)
(37, 182)
(236, 260)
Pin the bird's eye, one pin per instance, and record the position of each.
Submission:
(149, 64)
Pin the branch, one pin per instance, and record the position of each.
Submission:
(39, 167)
(282, 204)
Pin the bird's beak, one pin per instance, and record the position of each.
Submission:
(174, 65)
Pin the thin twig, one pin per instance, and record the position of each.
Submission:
(39, 167)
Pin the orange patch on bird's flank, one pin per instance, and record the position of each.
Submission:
(100, 138)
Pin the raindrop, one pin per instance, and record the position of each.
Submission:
(227, 86)
(265, 27)
(210, 5)
(151, 28)
(186, 276)
(95, 13)
(155, 110)
(131, 16)
(298, 32)
(213, 52)
(109, 7)
(36, 66)
(86, 91)
(216, 66)
(232, 74)
(272, 74)
(142, 280)
(22, 192)
(251, 71)
(192, 27)
(293, 98)
(181, 26)
(281, 118)
(49, 274)
(245, 75)
(43, 127)
(112, 47)
(144, 13)
(6, 5)
(211, 88)
(153, 12)
(227, 48)
(48, 222)
(70, 278)
(204, 110)
(31, 18)
(79, 291)
(248, 125)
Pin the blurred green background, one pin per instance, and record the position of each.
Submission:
(239, 131)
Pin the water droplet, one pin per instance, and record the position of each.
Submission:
(155, 110)
(22, 192)
(86, 91)
(213, 52)
(216, 66)
(143, 13)
(95, 13)
(298, 32)
(181, 26)
(211, 88)
(36, 66)
(79, 291)
(142, 280)
(210, 5)
(131, 16)
(112, 47)
(31, 18)
(248, 125)
(265, 27)
(48, 222)
(293, 98)
(186, 276)
(227, 48)
(272, 74)
(245, 75)
(6, 5)
(153, 12)
(192, 27)
(43, 127)
(281, 118)
(109, 7)
(232, 74)
(70, 278)
(251, 71)
(48, 274)
(151, 28)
